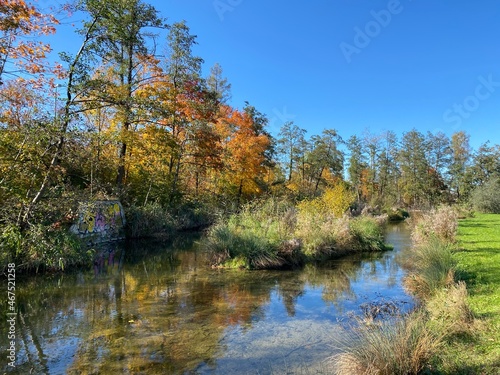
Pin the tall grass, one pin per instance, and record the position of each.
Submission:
(257, 237)
(449, 311)
(401, 347)
(441, 223)
(408, 345)
(431, 267)
(274, 234)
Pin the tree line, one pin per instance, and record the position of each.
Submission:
(130, 115)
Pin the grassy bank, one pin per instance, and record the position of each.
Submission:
(478, 264)
(455, 274)
(277, 234)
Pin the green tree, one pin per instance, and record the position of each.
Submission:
(439, 156)
(372, 147)
(182, 106)
(219, 84)
(325, 155)
(388, 173)
(485, 164)
(414, 168)
(357, 163)
(290, 145)
(461, 153)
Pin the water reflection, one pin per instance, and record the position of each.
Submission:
(157, 309)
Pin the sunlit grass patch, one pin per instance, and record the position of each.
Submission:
(478, 263)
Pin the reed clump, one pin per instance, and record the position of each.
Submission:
(278, 234)
(401, 347)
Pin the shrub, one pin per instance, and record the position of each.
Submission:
(485, 198)
(11, 244)
(401, 347)
(149, 220)
(195, 215)
(335, 201)
(43, 247)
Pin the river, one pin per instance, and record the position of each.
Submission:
(150, 308)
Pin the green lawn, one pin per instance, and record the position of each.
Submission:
(478, 259)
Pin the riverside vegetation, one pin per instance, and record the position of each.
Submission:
(277, 234)
(113, 120)
(455, 329)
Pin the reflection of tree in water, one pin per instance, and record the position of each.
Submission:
(172, 323)
(290, 291)
(49, 317)
(335, 280)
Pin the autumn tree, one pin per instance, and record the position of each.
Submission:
(26, 136)
(21, 27)
(244, 153)
(120, 45)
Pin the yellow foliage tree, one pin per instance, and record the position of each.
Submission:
(334, 202)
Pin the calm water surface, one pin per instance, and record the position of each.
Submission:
(158, 309)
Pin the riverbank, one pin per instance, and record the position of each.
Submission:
(478, 264)
(51, 247)
(454, 271)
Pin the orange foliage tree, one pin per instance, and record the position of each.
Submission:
(18, 21)
(244, 152)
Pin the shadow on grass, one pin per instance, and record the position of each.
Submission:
(471, 369)
(483, 224)
(465, 275)
(480, 250)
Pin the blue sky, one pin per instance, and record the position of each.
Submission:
(353, 65)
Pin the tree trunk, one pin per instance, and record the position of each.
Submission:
(65, 123)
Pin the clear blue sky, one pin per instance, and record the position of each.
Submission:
(355, 65)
